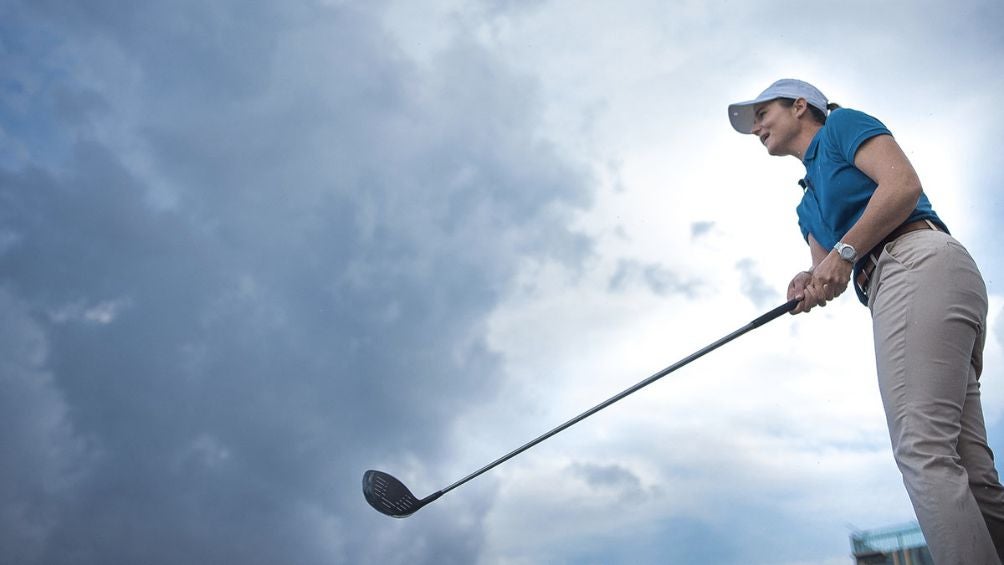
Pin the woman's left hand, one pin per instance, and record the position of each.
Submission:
(829, 279)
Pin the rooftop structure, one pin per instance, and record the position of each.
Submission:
(896, 545)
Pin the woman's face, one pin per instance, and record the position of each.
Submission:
(777, 127)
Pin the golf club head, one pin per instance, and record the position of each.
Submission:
(389, 496)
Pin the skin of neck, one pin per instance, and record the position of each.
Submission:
(808, 131)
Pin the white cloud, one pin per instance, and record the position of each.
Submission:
(100, 312)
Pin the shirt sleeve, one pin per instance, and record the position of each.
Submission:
(849, 129)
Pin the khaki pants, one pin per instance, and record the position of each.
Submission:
(929, 311)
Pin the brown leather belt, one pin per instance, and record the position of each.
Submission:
(871, 260)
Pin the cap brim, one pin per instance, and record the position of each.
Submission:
(741, 115)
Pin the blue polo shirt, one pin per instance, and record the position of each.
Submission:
(836, 192)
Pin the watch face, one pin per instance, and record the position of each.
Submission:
(847, 252)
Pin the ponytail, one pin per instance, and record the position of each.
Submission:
(820, 115)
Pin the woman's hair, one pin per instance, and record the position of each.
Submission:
(817, 114)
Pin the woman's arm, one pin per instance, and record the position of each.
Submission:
(894, 199)
(817, 251)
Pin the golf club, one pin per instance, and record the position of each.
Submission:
(389, 496)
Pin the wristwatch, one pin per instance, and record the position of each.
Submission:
(846, 251)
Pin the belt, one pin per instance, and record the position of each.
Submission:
(871, 260)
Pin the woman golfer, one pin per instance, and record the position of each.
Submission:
(869, 224)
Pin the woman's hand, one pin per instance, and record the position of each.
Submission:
(831, 277)
(797, 288)
(828, 280)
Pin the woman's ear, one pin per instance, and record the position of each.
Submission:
(799, 107)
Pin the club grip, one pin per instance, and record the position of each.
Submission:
(782, 309)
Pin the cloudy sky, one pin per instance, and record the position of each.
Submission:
(251, 248)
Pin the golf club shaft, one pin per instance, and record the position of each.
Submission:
(773, 314)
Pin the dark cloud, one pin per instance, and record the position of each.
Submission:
(40, 452)
(656, 278)
(611, 476)
(753, 286)
(700, 229)
(257, 260)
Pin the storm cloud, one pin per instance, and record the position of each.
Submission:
(247, 250)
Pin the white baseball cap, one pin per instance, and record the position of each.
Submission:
(741, 113)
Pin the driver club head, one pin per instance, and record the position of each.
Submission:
(389, 496)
